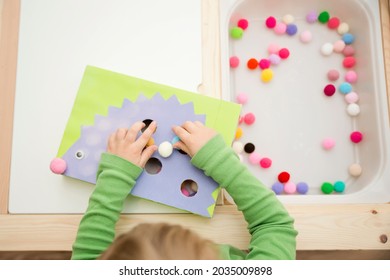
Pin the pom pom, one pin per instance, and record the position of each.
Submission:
(265, 162)
(270, 22)
(264, 63)
(284, 53)
(339, 186)
(274, 59)
(351, 77)
(327, 188)
(243, 24)
(311, 17)
(302, 188)
(345, 88)
(348, 38)
(333, 75)
(328, 143)
(254, 158)
(58, 166)
(234, 61)
(238, 133)
(353, 109)
(333, 22)
(338, 46)
(238, 147)
(266, 75)
(355, 170)
(329, 90)
(306, 36)
(249, 118)
(327, 49)
(242, 98)
(290, 188)
(252, 64)
(165, 149)
(288, 19)
(249, 148)
(291, 29)
(349, 62)
(236, 32)
(273, 48)
(343, 28)
(280, 28)
(356, 137)
(323, 17)
(352, 97)
(277, 188)
(283, 177)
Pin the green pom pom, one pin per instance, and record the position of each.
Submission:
(339, 186)
(236, 32)
(323, 17)
(327, 188)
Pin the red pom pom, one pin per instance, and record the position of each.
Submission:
(349, 62)
(283, 177)
(252, 63)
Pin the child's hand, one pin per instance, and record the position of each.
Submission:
(124, 143)
(193, 136)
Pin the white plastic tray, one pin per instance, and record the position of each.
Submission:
(292, 114)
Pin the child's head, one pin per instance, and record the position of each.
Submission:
(160, 242)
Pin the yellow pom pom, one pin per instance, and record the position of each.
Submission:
(238, 133)
(150, 142)
(266, 75)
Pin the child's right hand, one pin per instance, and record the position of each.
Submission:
(193, 136)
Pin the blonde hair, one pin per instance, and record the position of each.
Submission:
(160, 241)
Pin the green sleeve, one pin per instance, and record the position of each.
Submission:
(271, 227)
(115, 179)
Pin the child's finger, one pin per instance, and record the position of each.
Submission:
(147, 154)
(181, 146)
(120, 133)
(199, 124)
(181, 133)
(145, 137)
(133, 131)
(189, 126)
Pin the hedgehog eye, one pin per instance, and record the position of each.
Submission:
(79, 154)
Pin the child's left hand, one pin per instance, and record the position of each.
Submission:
(124, 143)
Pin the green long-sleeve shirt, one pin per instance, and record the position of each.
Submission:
(272, 229)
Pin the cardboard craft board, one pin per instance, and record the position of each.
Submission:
(107, 101)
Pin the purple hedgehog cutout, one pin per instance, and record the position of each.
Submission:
(83, 156)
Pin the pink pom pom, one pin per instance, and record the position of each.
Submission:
(351, 77)
(234, 61)
(270, 22)
(328, 143)
(290, 188)
(280, 28)
(265, 162)
(254, 158)
(58, 166)
(352, 97)
(249, 118)
(284, 53)
(242, 98)
(273, 48)
(356, 136)
(264, 63)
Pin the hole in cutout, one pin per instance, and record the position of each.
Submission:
(153, 166)
(147, 122)
(189, 188)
